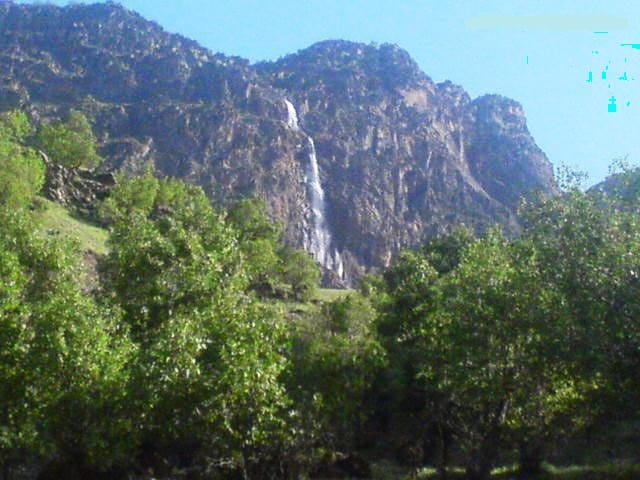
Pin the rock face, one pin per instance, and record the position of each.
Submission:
(353, 148)
(76, 188)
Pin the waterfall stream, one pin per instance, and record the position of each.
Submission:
(320, 241)
(292, 116)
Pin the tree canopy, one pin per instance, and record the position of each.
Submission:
(202, 347)
(71, 143)
(21, 168)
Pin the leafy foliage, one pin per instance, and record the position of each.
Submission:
(274, 270)
(63, 357)
(336, 355)
(21, 168)
(510, 342)
(489, 347)
(70, 143)
(208, 356)
(300, 270)
(260, 239)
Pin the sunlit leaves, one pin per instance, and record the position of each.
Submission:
(70, 143)
(209, 358)
(21, 168)
(63, 357)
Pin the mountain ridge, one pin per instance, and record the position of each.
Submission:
(399, 157)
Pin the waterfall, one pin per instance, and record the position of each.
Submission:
(292, 115)
(320, 241)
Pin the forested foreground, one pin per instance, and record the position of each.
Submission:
(195, 345)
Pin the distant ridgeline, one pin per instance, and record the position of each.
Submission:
(353, 148)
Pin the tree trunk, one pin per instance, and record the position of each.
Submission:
(443, 440)
(484, 457)
(530, 461)
(479, 468)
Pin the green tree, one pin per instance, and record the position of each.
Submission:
(300, 271)
(588, 249)
(209, 357)
(16, 126)
(445, 252)
(21, 168)
(260, 238)
(490, 346)
(64, 361)
(335, 358)
(70, 143)
(479, 340)
(130, 195)
(406, 292)
(17, 425)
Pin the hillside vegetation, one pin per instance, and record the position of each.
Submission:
(54, 219)
(203, 348)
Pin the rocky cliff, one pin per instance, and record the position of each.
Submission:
(352, 146)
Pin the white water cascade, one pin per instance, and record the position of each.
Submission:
(319, 240)
(292, 116)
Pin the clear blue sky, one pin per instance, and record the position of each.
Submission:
(567, 115)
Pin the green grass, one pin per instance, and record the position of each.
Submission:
(53, 217)
(573, 472)
(331, 294)
(321, 295)
(386, 470)
(600, 472)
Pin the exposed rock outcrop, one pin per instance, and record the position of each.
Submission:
(76, 188)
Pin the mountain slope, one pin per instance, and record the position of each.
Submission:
(402, 156)
(354, 148)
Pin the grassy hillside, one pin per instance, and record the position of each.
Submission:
(55, 218)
